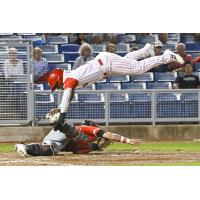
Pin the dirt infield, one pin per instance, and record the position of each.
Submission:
(99, 158)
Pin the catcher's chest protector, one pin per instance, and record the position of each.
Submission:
(69, 130)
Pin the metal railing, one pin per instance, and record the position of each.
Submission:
(125, 106)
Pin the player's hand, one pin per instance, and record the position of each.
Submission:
(136, 141)
(60, 121)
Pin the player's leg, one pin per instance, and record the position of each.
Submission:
(53, 143)
(131, 67)
(145, 52)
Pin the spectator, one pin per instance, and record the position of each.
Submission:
(40, 64)
(13, 66)
(186, 57)
(111, 48)
(80, 39)
(85, 55)
(188, 80)
(97, 38)
(157, 52)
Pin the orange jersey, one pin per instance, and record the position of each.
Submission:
(90, 131)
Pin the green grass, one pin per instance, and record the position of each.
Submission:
(165, 147)
(5, 148)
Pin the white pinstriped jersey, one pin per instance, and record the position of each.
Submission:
(108, 64)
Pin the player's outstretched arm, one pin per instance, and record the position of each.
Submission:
(66, 99)
(118, 138)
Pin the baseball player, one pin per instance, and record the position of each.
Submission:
(76, 139)
(104, 65)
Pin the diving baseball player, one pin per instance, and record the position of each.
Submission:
(104, 65)
(76, 139)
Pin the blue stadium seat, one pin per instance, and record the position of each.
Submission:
(98, 48)
(108, 86)
(90, 97)
(65, 66)
(148, 39)
(89, 87)
(54, 58)
(193, 46)
(118, 97)
(140, 105)
(143, 77)
(36, 39)
(69, 48)
(171, 47)
(122, 38)
(122, 54)
(188, 39)
(70, 56)
(119, 79)
(126, 86)
(122, 47)
(57, 39)
(177, 105)
(43, 104)
(159, 85)
(72, 39)
(164, 77)
(48, 48)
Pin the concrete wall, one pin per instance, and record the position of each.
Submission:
(146, 132)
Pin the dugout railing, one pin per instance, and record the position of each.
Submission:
(124, 106)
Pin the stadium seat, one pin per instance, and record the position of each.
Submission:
(98, 48)
(36, 39)
(122, 54)
(143, 77)
(65, 66)
(70, 56)
(57, 39)
(148, 39)
(164, 77)
(48, 48)
(118, 97)
(159, 85)
(193, 46)
(188, 38)
(54, 58)
(72, 39)
(174, 105)
(69, 48)
(119, 79)
(126, 38)
(122, 47)
(38, 87)
(108, 86)
(171, 47)
(126, 86)
(89, 87)
(140, 105)
(44, 103)
(90, 97)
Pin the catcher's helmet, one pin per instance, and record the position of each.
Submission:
(55, 78)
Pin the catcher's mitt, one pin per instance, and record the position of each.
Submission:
(53, 115)
(102, 143)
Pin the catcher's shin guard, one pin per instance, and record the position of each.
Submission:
(41, 149)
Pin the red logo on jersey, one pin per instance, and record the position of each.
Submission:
(100, 62)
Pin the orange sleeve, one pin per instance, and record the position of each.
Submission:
(197, 59)
(70, 83)
(89, 130)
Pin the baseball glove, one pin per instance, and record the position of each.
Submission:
(53, 115)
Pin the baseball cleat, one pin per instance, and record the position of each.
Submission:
(173, 56)
(21, 150)
(149, 49)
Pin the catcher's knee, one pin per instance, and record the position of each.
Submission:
(42, 149)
